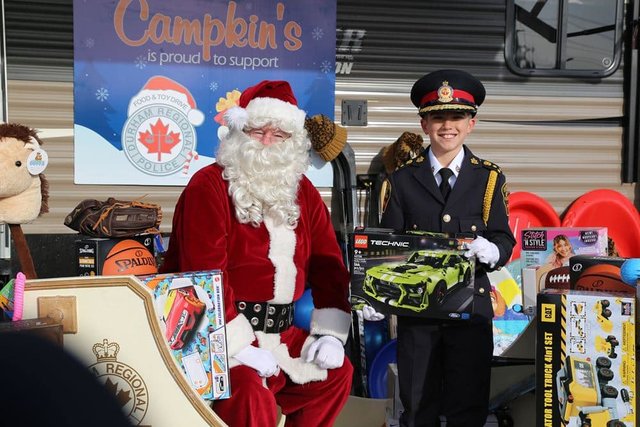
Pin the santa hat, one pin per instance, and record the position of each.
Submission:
(272, 100)
(179, 93)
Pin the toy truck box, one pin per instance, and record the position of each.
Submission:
(585, 359)
(598, 273)
(98, 256)
(190, 309)
(420, 275)
(545, 255)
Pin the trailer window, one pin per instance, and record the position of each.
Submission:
(580, 38)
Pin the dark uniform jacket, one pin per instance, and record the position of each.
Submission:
(477, 204)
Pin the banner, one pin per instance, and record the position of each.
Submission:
(152, 78)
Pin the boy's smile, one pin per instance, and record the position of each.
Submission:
(447, 131)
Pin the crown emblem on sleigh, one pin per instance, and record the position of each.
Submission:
(106, 351)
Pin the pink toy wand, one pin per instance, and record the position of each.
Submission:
(18, 296)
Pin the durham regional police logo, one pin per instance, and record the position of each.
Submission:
(159, 137)
(120, 380)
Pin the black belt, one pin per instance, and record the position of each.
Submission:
(266, 317)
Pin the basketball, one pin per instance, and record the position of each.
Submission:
(129, 257)
(603, 277)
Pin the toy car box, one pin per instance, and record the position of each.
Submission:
(190, 309)
(92, 252)
(537, 252)
(585, 359)
(422, 274)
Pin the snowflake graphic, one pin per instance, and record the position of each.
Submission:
(102, 94)
(213, 86)
(140, 62)
(326, 67)
(317, 33)
(89, 42)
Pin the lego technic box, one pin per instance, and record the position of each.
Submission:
(585, 359)
(420, 274)
(190, 309)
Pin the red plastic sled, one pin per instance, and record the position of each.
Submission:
(611, 209)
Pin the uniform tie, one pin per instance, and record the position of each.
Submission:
(445, 188)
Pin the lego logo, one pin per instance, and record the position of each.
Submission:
(360, 242)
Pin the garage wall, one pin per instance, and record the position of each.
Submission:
(558, 138)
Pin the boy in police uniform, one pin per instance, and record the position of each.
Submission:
(444, 367)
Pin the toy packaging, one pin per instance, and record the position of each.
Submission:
(585, 359)
(598, 273)
(545, 254)
(422, 274)
(538, 243)
(190, 309)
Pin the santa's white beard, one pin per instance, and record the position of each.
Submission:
(263, 180)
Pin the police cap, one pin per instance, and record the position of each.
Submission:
(447, 90)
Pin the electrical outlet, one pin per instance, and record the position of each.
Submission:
(62, 309)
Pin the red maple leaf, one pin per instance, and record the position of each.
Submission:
(159, 140)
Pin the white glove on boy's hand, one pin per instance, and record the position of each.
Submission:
(259, 359)
(370, 313)
(485, 251)
(327, 352)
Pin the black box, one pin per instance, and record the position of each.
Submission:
(420, 275)
(598, 273)
(44, 327)
(135, 255)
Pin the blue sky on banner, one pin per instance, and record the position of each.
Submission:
(207, 48)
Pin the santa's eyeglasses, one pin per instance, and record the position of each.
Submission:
(268, 136)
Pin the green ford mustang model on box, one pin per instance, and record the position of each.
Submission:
(425, 275)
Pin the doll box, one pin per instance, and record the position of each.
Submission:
(190, 309)
(419, 275)
(585, 359)
(537, 244)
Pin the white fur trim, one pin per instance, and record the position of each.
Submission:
(281, 250)
(287, 116)
(239, 334)
(196, 117)
(331, 321)
(297, 369)
(236, 118)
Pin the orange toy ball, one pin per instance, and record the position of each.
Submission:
(603, 277)
(129, 257)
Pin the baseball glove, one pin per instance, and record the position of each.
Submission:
(114, 218)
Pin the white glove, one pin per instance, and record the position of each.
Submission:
(485, 251)
(370, 313)
(259, 359)
(327, 352)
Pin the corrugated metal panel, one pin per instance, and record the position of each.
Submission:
(558, 161)
(39, 39)
(549, 155)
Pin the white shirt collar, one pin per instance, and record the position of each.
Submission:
(455, 164)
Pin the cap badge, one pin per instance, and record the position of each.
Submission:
(445, 92)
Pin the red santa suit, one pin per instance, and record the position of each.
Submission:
(272, 264)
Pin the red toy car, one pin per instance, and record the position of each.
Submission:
(186, 310)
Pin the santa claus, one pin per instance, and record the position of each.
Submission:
(255, 216)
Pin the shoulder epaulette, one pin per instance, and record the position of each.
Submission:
(414, 161)
(489, 165)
